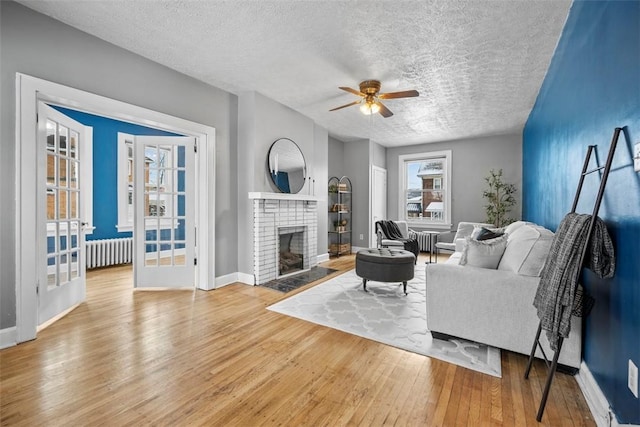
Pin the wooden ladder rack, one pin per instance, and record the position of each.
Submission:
(551, 366)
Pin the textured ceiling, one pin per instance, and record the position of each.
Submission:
(478, 65)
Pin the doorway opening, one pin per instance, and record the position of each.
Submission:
(30, 216)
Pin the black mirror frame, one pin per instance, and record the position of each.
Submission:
(304, 167)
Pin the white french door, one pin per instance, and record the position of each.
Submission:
(164, 212)
(61, 144)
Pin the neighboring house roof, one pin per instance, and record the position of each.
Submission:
(427, 169)
(435, 207)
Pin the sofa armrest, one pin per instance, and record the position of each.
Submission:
(494, 307)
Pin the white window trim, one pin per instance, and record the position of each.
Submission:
(124, 224)
(402, 159)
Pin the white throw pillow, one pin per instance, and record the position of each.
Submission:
(484, 254)
(527, 250)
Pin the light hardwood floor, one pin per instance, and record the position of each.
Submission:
(220, 358)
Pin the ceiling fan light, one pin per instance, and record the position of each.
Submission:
(369, 108)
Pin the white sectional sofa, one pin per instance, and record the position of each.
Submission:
(495, 306)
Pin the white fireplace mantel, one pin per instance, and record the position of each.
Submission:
(273, 212)
(282, 196)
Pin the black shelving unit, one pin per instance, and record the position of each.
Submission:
(340, 191)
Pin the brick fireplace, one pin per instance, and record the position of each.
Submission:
(276, 214)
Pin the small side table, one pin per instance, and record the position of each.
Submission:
(431, 238)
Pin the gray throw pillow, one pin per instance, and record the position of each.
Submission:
(484, 253)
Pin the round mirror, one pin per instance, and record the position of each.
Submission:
(287, 167)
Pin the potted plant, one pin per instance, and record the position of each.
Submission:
(500, 199)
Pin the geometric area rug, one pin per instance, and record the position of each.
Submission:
(384, 314)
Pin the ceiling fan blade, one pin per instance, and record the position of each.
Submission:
(345, 105)
(401, 94)
(353, 91)
(384, 111)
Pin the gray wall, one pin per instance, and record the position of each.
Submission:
(357, 157)
(320, 178)
(471, 161)
(260, 122)
(34, 44)
(378, 155)
(354, 159)
(336, 158)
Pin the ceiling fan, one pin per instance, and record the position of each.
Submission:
(370, 102)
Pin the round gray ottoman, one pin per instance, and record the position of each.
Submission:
(385, 265)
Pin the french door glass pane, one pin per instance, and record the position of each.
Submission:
(63, 135)
(62, 204)
(73, 144)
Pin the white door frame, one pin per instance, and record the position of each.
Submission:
(373, 241)
(30, 90)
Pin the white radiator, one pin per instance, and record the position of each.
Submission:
(422, 238)
(105, 252)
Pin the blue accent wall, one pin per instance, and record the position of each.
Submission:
(591, 87)
(105, 168)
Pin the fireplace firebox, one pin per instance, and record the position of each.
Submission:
(291, 253)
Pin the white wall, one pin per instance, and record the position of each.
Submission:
(471, 161)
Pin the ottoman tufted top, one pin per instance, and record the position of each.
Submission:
(385, 256)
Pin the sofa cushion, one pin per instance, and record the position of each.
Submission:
(509, 229)
(527, 250)
(484, 254)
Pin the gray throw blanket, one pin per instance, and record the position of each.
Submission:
(391, 231)
(556, 292)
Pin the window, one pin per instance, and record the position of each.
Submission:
(159, 183)
(425, 196)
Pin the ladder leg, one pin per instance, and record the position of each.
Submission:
(547, 387)
(533, 351)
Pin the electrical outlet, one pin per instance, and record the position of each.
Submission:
(362, 237)
(633, 378)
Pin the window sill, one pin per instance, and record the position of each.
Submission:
(423, 225)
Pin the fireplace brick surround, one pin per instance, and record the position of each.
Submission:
(274, 211)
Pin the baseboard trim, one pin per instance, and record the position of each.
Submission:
(598, 403)
(228, 279)
(323, 258)
(355, 249)
(8, 337)
(247, 279)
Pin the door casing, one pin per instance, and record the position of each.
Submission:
(374, 197)
(30, 90)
